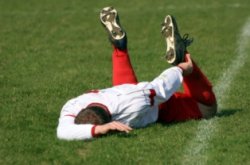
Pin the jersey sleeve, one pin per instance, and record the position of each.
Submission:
(68, 130)
(167, 83)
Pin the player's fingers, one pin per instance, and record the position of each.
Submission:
(125, 127)
(121, 127)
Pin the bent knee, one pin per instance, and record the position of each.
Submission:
(208, 111)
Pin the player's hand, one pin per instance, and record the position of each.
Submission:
(112, 126)
(187, 66)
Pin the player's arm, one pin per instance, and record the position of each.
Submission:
(170, 80)
(68, 130)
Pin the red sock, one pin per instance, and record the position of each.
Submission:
(198, 86)
(122, 69)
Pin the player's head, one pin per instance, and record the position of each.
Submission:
(93, 115)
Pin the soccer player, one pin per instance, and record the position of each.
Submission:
(130, 104)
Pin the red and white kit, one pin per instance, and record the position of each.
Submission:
(138, 104)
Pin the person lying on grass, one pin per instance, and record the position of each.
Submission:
(131, 104)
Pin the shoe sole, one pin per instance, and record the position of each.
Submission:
(108, 17)
(168, 32)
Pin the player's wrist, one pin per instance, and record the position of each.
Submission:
(98, 130)
(181, 69)
(94, 131)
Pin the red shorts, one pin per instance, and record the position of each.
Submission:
(179, 107)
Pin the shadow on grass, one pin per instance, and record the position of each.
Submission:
(227, 112)
(223, 113)
(126, 135)
(120, 134)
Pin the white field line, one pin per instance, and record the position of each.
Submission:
(196, 150)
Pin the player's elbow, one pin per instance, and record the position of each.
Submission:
(61, 133)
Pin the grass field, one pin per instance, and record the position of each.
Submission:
(53, 50)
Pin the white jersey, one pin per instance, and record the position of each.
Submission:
(134, 105)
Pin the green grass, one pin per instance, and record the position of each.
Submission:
(53, 50)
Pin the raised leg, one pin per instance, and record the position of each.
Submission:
(198, 99)
(122, 68)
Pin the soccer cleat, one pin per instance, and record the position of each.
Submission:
(110, 20)
(176, 45)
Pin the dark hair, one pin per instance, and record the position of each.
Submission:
(93, 115)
